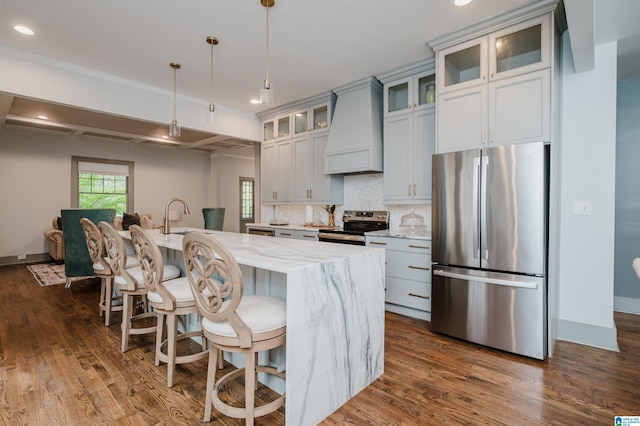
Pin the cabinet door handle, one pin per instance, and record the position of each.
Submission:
(311, 193)
(418, 267)
(418, 247)
(421, 297)
(491, 134)
(491, 73)
(483, 136)
(414, 189)
(483, 76)
(409, 190)
(378, 243)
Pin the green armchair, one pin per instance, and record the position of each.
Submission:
(77, 262)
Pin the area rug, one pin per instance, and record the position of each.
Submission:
(48, 273)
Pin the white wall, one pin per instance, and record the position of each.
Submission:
(227, 171)
(35, 173)
(586, 248)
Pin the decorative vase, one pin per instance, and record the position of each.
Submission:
(430, 94)
(332, 220)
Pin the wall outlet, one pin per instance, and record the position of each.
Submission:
(22, 256)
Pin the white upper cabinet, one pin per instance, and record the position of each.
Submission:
(516, 50)
(495, 85)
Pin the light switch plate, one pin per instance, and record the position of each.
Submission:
(582, 208)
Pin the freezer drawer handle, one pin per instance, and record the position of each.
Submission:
(418, 247)
(522, 284)
(420, 296)
(418, 267)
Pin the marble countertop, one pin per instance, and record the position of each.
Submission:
(293, 227)
(274, 254)
(416, 233)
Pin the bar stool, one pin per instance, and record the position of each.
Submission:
(95, 245)
(169, 299)
(232, 322)
(131, 283)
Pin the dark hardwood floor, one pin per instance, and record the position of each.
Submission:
(60, 365)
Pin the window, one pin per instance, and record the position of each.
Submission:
(102, 184)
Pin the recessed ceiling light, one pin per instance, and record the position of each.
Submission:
(255, 101)
(43, 117)
(462, 2)
(22, 29)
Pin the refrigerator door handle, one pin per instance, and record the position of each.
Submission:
(483, 207)
(497, 281)
(476, 183)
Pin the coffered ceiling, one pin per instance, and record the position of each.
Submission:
(314, 46)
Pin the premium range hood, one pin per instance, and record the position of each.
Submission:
(355, 138)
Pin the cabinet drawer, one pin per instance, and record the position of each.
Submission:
(402, 244)
(411, 266)
(308, 236)
(412, 294)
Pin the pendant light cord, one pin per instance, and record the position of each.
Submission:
(267, 83)
(174, 94)
(211, 73)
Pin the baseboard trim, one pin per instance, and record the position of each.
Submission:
(408, 312)
(30, 258)
(588, 334)
(626, 304)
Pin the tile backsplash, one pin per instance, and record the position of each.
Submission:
(361, 192)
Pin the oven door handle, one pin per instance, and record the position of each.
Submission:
(340, 237)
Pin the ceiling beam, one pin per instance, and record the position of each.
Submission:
(5, 105)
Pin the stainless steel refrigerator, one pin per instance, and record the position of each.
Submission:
(489, 232)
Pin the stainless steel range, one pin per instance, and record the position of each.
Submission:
(356, 223)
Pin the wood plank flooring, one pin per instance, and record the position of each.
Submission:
(60, 365)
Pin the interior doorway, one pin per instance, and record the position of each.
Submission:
(247, 202)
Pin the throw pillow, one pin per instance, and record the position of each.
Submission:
(130, 219)
(59, 221)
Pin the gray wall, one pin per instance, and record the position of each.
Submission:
(35, 173)
(627, 235)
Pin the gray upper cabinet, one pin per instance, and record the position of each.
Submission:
(409, 132)
(292, 163)
(495, 88)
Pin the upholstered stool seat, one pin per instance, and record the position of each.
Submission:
(170, 297)
(233, 322)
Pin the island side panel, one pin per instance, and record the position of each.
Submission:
(335, 334)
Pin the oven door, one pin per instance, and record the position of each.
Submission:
(341, 238)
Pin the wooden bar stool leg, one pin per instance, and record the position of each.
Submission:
(211, 380)
(108, 299)
(103, 305)
(172, 336)
(249, 387)
(127, 302)
(159, 337)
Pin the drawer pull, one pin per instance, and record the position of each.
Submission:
(285, 233)
(379, 243)
(419, 247)
(418, 267)
(309, 236)
(417, 295)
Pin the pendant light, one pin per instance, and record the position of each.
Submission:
(212, 115)
(266, 93)
(174, 127)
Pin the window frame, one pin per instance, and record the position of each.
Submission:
(75, 195)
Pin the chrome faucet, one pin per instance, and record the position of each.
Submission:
(165, 229)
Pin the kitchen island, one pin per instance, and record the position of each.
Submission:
(335, 313)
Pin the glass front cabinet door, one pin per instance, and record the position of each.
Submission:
(409, 93)
(311, 119)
